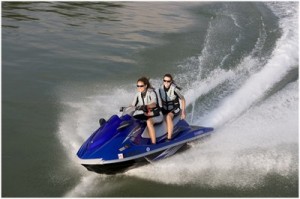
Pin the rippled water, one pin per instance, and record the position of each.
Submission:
(66, 64)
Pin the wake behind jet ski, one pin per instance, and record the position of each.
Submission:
(122, 143)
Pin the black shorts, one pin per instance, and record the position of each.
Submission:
(175, 111)
(141, 117)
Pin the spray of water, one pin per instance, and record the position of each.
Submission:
(239, 154)
(283, 60)
(261, 140)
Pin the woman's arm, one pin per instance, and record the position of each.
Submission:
(183, 115)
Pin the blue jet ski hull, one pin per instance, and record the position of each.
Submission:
(120, 144)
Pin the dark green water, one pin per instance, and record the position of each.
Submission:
(66, 64)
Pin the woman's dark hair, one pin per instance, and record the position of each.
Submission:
(172, 81)
(145, 80)
(169, 75)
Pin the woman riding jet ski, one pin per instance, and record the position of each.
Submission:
(170, 95)
(148, 106)
(125, 142)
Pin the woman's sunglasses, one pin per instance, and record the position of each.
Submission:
(167, 81)
(140, 86)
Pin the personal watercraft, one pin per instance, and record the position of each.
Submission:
(122, 143)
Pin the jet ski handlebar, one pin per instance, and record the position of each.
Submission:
(127, 110)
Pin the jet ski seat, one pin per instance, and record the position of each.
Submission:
(160, 128)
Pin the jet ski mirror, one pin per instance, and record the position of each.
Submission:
(102, 121)
(122, 108)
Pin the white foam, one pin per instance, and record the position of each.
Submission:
(76, 124)
(248, 65)
(263, 141)
(202, 87)
(84, 187)
(263, 138)
(80, 116)
(93, 184)
(284, 58)
(241, 153)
